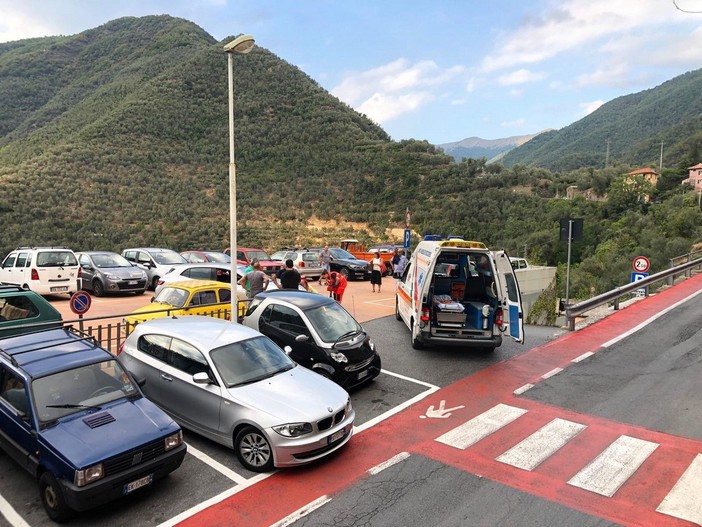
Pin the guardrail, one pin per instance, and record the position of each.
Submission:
(575, 310)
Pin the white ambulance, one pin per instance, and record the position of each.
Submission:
(457, 292)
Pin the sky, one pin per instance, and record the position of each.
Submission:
(443, 70)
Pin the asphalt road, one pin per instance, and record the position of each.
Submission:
(643, 385)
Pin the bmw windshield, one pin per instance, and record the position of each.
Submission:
(250, 361)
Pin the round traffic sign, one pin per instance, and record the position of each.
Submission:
(80, 302)
(641, 264)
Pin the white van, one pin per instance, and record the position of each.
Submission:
(456, 292)
(44, 270)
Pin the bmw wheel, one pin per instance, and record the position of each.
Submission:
(253, 450)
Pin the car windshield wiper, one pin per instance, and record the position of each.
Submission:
(346, 336)
(74, 406)
(261, 377)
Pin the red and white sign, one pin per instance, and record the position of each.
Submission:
(641, 264)
(80, 302)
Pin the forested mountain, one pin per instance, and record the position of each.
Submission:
(118, 137)
(490, 149)
(634, 126)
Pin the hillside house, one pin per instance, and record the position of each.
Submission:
(648, 174)
(695, 177)
(589, 194)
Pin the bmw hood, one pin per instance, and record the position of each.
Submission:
(348, 261)
(297, 395)
(86, 438)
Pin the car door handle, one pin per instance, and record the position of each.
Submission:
(166, 377)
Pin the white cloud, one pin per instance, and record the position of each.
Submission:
(589, 107)
(520, 76)
(395, 88)
(577, 24)
(16, 25)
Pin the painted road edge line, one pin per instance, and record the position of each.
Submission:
(583, 356)
(522, 389)
(387, 464)
(648, 321)
(683, 500)
(302, 512)
(551, 373)
(11, 514)
(216, 465)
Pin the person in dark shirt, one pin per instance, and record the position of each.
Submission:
(288, 278)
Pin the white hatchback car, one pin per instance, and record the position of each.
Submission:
(44, 270)
(235, 386)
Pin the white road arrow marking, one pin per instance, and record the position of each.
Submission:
(440, 413)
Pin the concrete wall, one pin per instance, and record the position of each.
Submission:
(532, 282)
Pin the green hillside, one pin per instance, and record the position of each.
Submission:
(634, 125)
(118, 137)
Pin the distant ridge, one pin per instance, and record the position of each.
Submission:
(491, 149)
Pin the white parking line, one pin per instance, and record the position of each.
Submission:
(583, 356)
(522, 389)
(617, 463)
(539, 446)
(10, 514)
(481, 426)
(553, 372)
(225, 471)
(683, 501)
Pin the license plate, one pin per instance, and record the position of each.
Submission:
(59, 289)
(363, 374)
(132, 282)
(141, 482)
(336, 436)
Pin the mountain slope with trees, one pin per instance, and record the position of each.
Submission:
(634, 126)
(118, 137)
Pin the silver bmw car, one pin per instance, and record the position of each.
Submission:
(235, 386)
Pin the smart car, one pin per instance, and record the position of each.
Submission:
(321, 334)
(236, 387)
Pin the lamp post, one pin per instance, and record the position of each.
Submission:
(242, 44)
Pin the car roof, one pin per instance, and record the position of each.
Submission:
(203, 332)
(150, 249)
(93, 253)
(196, 284)
(44, 352)
(302, 299)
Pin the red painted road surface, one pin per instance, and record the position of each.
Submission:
(634, 503)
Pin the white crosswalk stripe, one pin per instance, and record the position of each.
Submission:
(608, 471)
(683, 501)
(481, 426)
(604, 475)
(541, 445)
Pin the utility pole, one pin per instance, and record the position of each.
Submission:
(660, 166)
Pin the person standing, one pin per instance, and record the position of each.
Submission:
(376, 271)
(324, 260)
(257, 279)
(399, 267)
(289, 276)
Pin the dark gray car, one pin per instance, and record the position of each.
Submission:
(108, 272)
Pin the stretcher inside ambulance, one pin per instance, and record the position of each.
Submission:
(457, 292)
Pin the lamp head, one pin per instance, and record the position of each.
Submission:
(241, 44)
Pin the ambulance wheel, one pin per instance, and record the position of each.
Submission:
(397, 310)
(416, 340)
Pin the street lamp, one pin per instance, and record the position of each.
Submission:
(242, 45)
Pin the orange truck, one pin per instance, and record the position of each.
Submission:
(359, 251)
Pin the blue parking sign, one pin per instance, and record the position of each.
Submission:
(407, 238)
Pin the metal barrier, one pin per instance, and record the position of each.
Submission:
(576, 310)
(111, 336)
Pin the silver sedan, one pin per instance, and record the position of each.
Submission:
(235, 386)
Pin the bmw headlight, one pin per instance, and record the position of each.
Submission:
(293, 429)
(339, 357)
(88, 475)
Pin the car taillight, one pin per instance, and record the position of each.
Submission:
(425, 314)
(302, 264)
(499, 317)
(80, 272)
(35, 274)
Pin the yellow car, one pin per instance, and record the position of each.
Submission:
(189, 297)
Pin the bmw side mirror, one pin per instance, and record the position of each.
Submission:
(201, 377)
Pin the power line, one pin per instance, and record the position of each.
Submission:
(684, 10)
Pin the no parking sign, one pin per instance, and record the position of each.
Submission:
(80, 302)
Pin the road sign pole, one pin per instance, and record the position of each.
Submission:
(570, 241)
